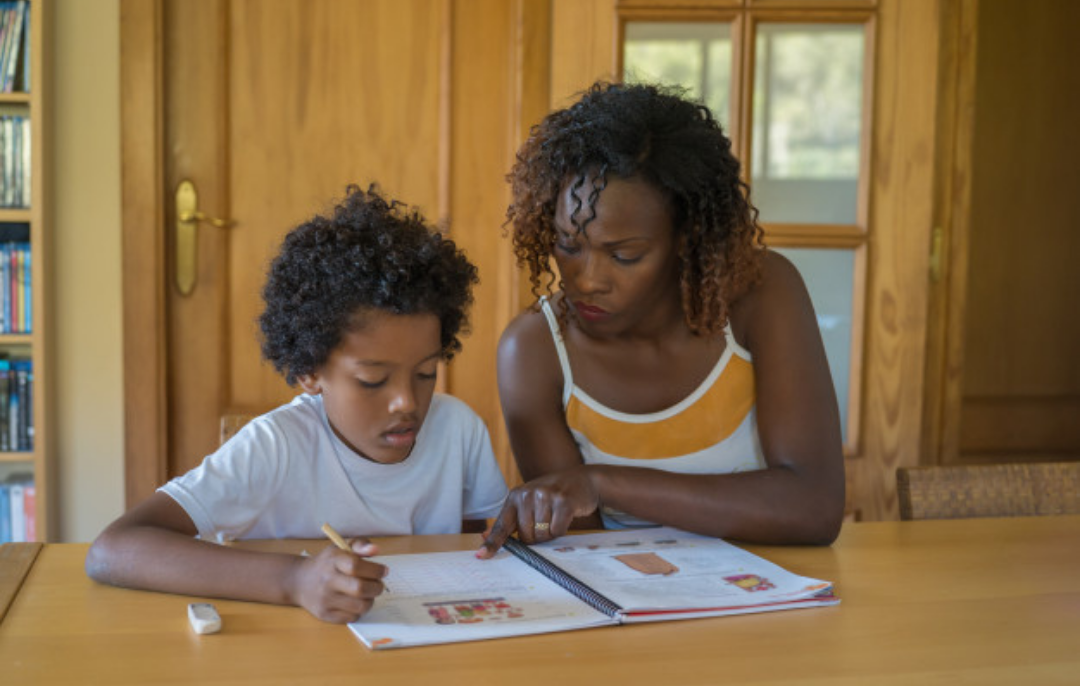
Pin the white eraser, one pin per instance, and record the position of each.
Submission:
(204, 618)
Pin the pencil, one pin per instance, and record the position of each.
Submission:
(336, 538)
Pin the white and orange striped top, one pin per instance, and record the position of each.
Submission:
(711, 431)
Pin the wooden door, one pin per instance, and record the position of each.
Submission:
(270, 107)
(888, 235)
(1004, 385)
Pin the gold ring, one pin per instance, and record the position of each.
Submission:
(541, 526)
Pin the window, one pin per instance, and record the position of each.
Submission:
(789, 87)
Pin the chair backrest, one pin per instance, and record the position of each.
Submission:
(231, 423)
(999, 490)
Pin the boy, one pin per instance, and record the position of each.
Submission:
(361, 306)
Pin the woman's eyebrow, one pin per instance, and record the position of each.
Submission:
(621, 241)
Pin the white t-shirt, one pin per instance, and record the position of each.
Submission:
(286, 473)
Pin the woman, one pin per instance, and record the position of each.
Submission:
(676, 376)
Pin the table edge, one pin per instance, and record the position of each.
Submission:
(16, 560)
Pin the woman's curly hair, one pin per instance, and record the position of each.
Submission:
(371, 253)
(654, 133)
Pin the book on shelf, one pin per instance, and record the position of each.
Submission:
(12, 58)
(16, 404)
(22, 428)
(5, 394)
(14, 161)
(14, 45)
(5, 514)
(17, 509)
(576, 582)
(16, 312)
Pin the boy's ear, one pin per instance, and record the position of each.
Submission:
(310, 383)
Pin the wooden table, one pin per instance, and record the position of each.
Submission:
(981, 601)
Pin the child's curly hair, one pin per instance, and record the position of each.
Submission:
(657, 134)
(371, 253)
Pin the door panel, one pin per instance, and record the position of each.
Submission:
(322, 94)
(271, 107)
(1020, 380)
(195, 101)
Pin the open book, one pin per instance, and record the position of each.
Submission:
(575, 582)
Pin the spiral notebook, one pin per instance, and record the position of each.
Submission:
(576, 582)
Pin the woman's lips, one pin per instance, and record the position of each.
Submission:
(590, 312)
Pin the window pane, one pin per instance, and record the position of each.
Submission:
(829, 275)
(808, 84)
(696, 56)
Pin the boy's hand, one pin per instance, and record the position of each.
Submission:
(338, 586)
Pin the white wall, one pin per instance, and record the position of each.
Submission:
(84, 185)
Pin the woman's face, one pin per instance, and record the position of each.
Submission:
(622, 271)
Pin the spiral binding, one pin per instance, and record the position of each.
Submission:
(561, 577)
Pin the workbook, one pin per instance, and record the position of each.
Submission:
(576, 582)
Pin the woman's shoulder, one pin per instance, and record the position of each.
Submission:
(528, 357)
(779, 293)
(778, 274)
(528, 334)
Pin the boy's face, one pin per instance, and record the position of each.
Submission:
(378, 382)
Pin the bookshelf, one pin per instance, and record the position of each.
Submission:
(25, 457)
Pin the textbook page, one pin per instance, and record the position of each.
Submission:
(663, 573)
(450, 597)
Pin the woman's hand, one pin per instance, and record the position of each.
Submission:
(543, 509)
(338, 586)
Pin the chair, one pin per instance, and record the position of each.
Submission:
(230, 424)
(998, 490)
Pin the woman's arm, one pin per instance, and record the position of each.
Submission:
(530, 392)
(153, 547)
(798, 498)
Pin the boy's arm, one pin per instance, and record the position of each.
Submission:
(153, 547)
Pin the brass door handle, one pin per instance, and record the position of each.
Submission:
(200, 217)
(188, 217)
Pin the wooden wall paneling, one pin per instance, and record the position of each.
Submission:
(301, 123)
(1020, 428)
(798, 4)
(832, 235)
(145, 402)
(324, 94)
(42, 275)
(853, 446)
(1021, 323)
(679, 4)
(196, 120)
(742, 123)
(482, 96)
(952, 215)
(530, 97)
(900, 219)
(584, 41)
